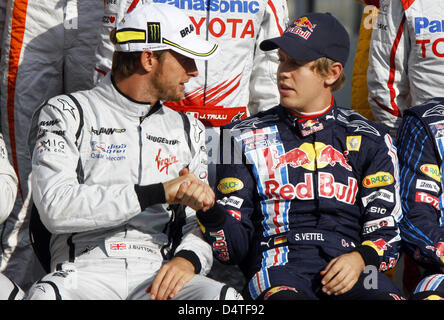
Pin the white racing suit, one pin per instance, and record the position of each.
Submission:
(8, 183)
(48, 49)
(406, 58)
(98, 166)
(8, 191)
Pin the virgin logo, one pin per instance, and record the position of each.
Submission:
(164, 163)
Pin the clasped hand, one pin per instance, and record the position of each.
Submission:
(190, 191)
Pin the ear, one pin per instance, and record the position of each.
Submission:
(147, 60)
(334, 73)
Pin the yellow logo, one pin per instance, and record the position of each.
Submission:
(228, 185)
(378, 179)
(434, 297)
(432, 171)
(353, 143)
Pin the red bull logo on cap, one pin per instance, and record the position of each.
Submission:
(302, 27)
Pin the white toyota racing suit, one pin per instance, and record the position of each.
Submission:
(48, 49)
(98, 166)
(242, 75)
(406, 55)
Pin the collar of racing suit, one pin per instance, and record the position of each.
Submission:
(129, 105)
(308, 124)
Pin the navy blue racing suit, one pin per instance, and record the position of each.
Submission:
(294, 192)
(421, 148)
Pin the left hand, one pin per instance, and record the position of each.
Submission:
(171, 278)
(342, 273)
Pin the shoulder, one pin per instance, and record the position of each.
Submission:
(260, 120)
(429, 111)
(355, 123)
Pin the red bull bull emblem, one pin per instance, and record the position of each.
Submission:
(332, 156)
(295, 158)
(302, 27)
(311, 156)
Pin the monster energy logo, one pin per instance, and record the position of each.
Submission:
(153, 32)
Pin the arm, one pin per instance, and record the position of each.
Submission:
(228, 226)
(421, 192)
(387, 75)
(67, 205)
(263, 83)
(8, 183)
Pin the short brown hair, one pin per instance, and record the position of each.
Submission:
(322, 66)
(126, 63)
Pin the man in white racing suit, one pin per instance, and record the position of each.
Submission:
(239, 83)
(406, 52)
(112, 165)
(8, 191)
(48, 49)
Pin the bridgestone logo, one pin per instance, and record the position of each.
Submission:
(162, 140)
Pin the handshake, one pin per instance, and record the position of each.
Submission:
(190, 191)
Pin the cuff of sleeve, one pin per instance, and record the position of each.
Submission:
(191, 257)
(213, 217)
(150, 195)
(369, 255)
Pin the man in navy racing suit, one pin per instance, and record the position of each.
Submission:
(310, 202)
(420, 143)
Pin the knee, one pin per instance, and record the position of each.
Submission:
(44, 290)
(430, 288)
(9, 290)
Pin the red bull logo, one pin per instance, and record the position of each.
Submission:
(304, 23)
(379, 245)
(302, 27)
(295, 158)
(312, 156)
(332, 156)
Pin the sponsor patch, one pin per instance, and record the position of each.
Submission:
(235, 214)
(354, 143)
(380, 194)
(432, 171)
(427, 185)
(220, 245)
(374, 225)
(378, 179)
(427, 198)
(229, 185)
(232, 201)
(379, 245)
